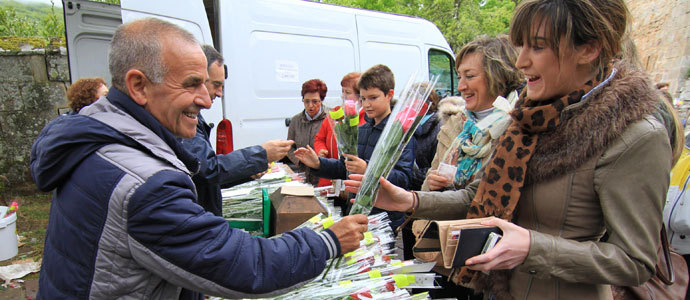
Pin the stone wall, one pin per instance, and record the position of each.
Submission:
(32, 88)
(660, 29)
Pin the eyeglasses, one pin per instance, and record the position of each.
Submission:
(311, 102)
(349, 96)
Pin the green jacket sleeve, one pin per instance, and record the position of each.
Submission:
(446, 205)
(631, 180)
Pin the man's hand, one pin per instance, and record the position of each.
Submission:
(308, 157)
(323, 153)
(258, 175)
(436, 181)
(354, 164)
(389, 197)
(277, 149)
(350, 230)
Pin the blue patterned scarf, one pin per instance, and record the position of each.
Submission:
(473, 143)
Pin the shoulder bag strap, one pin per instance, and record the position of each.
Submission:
(667, 258)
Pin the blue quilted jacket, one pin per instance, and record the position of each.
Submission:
(124, 222)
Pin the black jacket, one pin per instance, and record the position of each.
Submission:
(424, 152)
(218, 170)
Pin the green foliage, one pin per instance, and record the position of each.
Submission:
(12, 24)
(35, 20)
(117, 2)
(31, 20)
(14, 42)
(460, 21)
(3, 185)
(52, 25)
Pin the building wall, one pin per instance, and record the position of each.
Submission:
(661, 31)
(32, 87)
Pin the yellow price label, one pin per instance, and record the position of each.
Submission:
(374, 274)
(354, 121)
(397, 264)
(400, 280)
(337, 114)
(315, 219)
(369, 241)
(355, 253)
(368, 235)
(345, 282)
(328, 222)
(351, 261)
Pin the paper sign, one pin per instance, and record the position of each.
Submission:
(287, 71)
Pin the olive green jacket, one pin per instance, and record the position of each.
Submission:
(610, 180)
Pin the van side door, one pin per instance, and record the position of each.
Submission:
(271, 48)
(89, 27)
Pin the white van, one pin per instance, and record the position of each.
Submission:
(270, 48)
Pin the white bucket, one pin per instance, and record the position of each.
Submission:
(8, 235)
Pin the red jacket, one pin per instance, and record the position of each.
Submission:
(324, 139)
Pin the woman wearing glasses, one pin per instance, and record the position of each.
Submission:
(305, 125)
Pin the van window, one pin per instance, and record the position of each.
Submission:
(440, 63)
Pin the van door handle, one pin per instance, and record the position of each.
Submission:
(287, 122)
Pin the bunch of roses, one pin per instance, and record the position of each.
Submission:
(406, 116)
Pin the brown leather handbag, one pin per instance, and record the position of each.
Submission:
(670, 286)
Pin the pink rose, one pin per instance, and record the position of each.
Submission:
(350, 107)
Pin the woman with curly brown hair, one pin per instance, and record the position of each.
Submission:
(85, 91)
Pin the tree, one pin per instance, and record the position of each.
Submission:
(31, 22)
(460, 21)
(13, 25)
(52, 25)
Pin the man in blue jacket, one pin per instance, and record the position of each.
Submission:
(123, 221)
(225, 169)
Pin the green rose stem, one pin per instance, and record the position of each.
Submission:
(393, 144)
(346, 130)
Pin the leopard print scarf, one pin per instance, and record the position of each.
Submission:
(504, 175)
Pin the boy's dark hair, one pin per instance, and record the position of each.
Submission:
(378, 76)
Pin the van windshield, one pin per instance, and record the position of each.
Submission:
(442, 64)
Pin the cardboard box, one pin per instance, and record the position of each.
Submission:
(292, 205)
